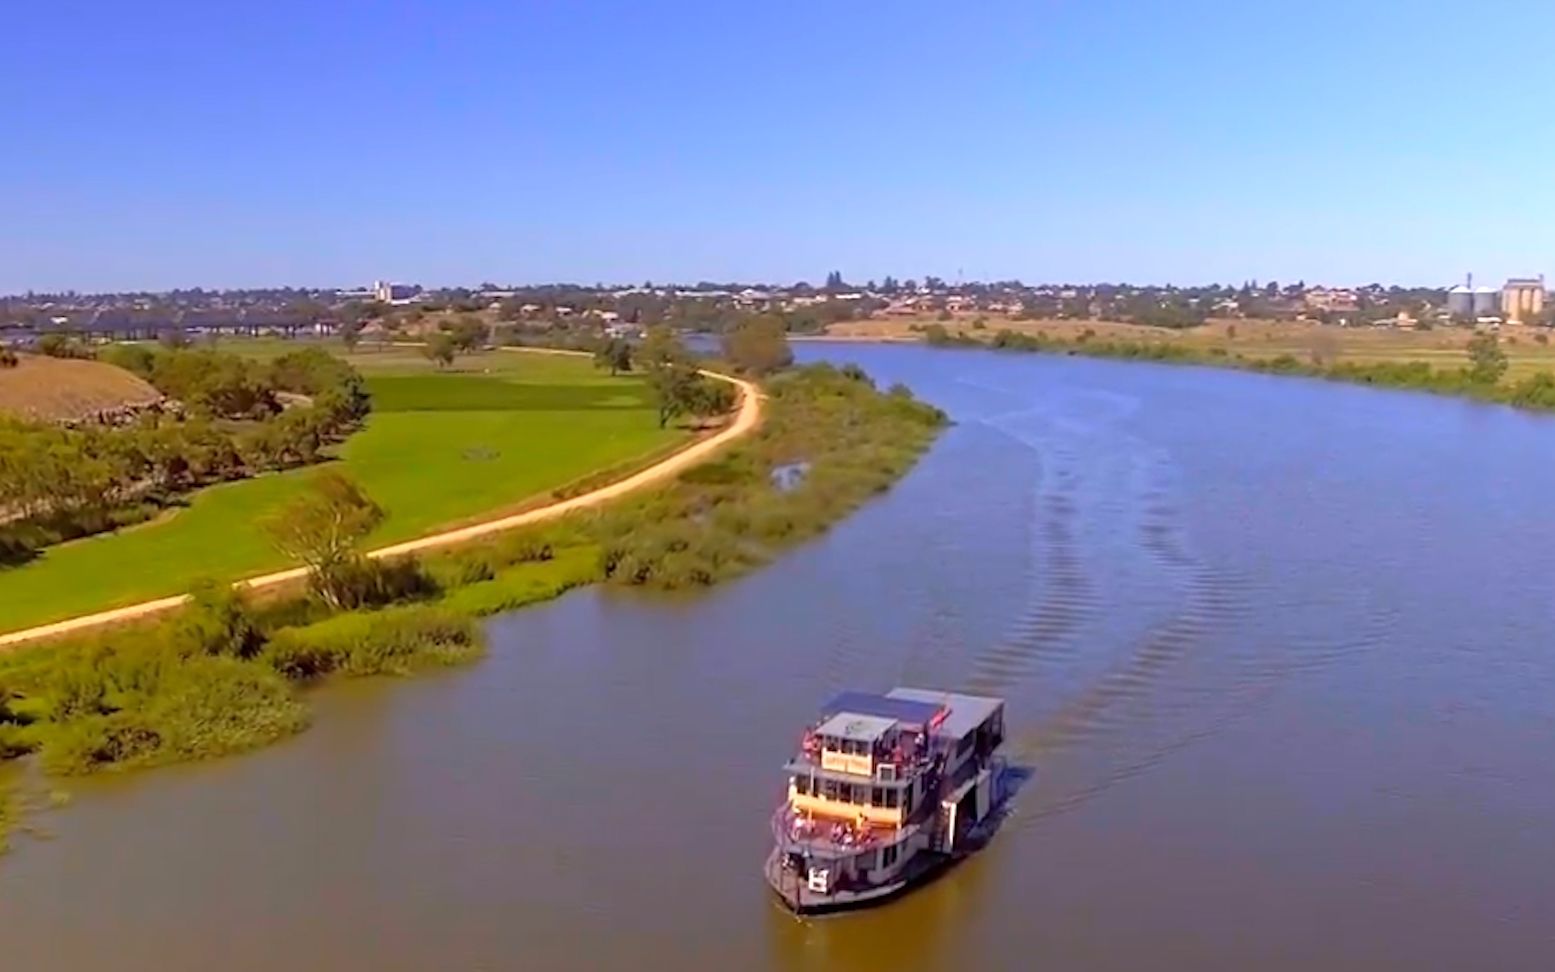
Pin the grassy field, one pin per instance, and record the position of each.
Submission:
(441, 448)
(1442, 347)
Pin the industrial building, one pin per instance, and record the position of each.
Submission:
(1522, 299)
(1469, 301)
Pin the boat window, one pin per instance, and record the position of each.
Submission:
(877, 797)
(802, 785)
(888, 855)
(829, 789)
(892, 795)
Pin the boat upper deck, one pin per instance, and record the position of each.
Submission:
(963, 714)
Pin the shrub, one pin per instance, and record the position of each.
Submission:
(136, 358)
(217, 622)
(525, 584)
(62, 346)
(394, 641)
(134, 699)
(853, 372)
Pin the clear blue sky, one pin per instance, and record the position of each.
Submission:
(159, 144)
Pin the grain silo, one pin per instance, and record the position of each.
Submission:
(1460, 301)
(1487, 301)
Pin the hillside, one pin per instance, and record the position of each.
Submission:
(60, 389)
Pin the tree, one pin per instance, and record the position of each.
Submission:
(135, 358)
(676, 390)
(350, 334)
(661, 346)
(615, 354)
(324, 527)
(759, 346)
(218, 622)
(710, 397)
(440, 349)
(306, 310)
(174, 338)
(468, 333)
(60, 346)
(1487, 362)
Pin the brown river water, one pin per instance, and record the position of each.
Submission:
(1279, 654)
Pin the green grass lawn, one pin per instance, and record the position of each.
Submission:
(439, 449)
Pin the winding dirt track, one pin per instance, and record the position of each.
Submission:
(745, 421)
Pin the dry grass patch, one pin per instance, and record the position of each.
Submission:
(61, 389)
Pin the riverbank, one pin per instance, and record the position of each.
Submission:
(1528, 349)
(223, 675)
(495, 434)
(1481, 374)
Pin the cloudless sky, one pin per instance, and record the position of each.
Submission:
(155, 144)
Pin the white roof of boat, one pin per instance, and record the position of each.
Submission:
(852, 725)
(967, 712)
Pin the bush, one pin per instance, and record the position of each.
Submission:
(525, 584)
(394, 641)
(136, 358)
(62, 346)
(139, 698)
(853, 372)
(217, 622)
(364, 583)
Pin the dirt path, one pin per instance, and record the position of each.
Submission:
(745, 421)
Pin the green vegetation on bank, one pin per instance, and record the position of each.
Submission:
(58, 483)
(1481, 377)
(222, 676)
(830, 442)
(440, 448)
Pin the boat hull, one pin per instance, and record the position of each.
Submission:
(926, 866)
(791, 891)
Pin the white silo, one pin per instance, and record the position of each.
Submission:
(1487, 301)
(1460, 301)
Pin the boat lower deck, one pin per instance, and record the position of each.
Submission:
(797, 896)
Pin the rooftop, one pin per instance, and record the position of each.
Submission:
(967, 712)
(856, 726)
(916, 714)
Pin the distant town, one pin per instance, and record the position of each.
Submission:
(26, 318)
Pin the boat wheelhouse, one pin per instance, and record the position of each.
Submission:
(884, 791)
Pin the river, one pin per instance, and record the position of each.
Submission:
(1279, 653)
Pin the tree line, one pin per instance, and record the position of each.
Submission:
(757, 347)
(232, 420)
(1483, 376)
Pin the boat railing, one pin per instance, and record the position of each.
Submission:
(791, 827)
(888, 768)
